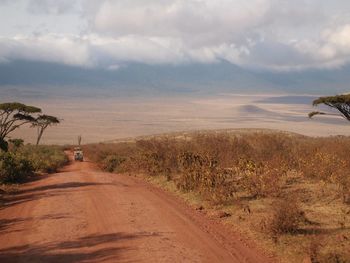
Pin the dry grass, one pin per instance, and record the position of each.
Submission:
(282, 189)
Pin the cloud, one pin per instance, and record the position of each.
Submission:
(52, 6)
(68, 50)
(194, 22)
(331, 50)
(267, 34)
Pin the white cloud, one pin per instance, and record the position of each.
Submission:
(49, 48)
(270, 34)
(332, 49)
(197, 23)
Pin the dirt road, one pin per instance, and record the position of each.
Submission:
(84, 215)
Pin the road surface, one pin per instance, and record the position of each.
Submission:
(84, 215)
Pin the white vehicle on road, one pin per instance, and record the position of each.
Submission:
(78, 154)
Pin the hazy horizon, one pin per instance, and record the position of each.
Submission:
(108, 119)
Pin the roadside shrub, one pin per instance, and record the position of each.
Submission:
(219, 164)
(323, 165)
(260, 179)
(47, 159)
(158, 157)
(112, 162)
(193, 167)
(286, 216)
(202, 173)
(14, 168)
(219, 187)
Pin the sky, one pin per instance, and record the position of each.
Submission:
(272, 35)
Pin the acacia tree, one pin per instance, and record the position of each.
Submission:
(12, 116)
(339, 102)
(42, 122)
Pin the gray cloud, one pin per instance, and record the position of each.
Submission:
(268, 34)
(52, 6)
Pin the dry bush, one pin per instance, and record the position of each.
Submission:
(322, 165)
(326, 159)
(104, 154)
(260, 180)
(193, 168)
(286, 216)
(317, 253)
(158, 157)
(217, 165)
(112, 162)
(231, 168)
(202, 173)
(99, 151)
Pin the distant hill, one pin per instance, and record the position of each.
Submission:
(131, 79)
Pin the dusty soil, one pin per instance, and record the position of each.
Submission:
(84, 215)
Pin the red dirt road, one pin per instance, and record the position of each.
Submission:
(84, 215)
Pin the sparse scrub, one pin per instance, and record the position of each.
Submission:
(255, 163)
(319, 254)
(260, 180)
(265, 173)
(112, 162)
(287, 216)
(158, 157)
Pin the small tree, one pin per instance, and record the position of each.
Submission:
(42, 122)
(12, 116)
(339, 102)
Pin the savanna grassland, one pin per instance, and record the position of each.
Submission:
(290, 193)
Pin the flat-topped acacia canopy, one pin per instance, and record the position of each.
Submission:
(12, 116)
(42, 122)
(339, 102)
(345, 98)
(20, 107)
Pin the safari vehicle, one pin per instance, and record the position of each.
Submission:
(78, 154)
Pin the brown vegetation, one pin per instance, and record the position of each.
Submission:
(288, 186)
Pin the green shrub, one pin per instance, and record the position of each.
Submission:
(47, 159)
(14, 168)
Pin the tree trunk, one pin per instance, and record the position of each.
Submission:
(40, 133)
